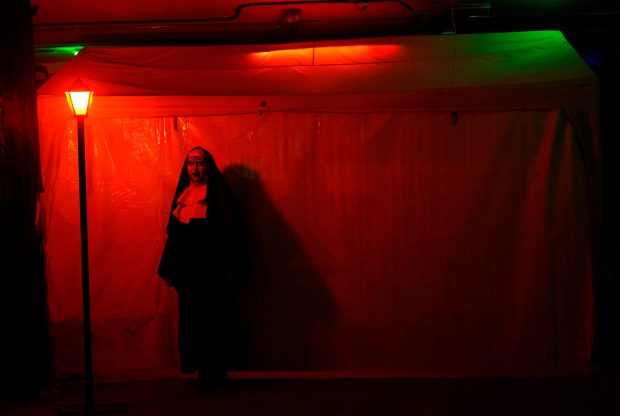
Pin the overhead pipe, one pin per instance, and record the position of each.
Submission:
(233, 17)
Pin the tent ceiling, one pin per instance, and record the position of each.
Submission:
(62, 23)
(423, 72)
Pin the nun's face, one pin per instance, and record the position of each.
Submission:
(197, 167)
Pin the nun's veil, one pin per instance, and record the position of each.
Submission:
(220, 201)
(222, 211)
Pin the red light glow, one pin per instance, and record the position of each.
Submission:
(326, 55)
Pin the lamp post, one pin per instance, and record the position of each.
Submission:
(79, 97)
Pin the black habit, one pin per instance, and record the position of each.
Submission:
(205, 261)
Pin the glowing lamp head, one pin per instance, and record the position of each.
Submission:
(79, 97)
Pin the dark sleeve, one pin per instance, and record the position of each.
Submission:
(168, 261)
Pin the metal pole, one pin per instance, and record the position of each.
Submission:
(88, 359)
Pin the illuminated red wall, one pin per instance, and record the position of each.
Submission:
(408, 242)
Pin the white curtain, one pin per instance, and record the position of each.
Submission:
(423, 242)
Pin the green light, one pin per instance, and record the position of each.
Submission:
(59, 51)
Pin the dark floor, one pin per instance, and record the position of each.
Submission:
(574, 395)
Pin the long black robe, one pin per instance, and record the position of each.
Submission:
(205, 261)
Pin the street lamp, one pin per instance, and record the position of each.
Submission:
(79, 97)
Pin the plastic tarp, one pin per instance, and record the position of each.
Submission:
(415, 204)
(524, 70)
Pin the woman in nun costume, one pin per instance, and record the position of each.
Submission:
(205, 261)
